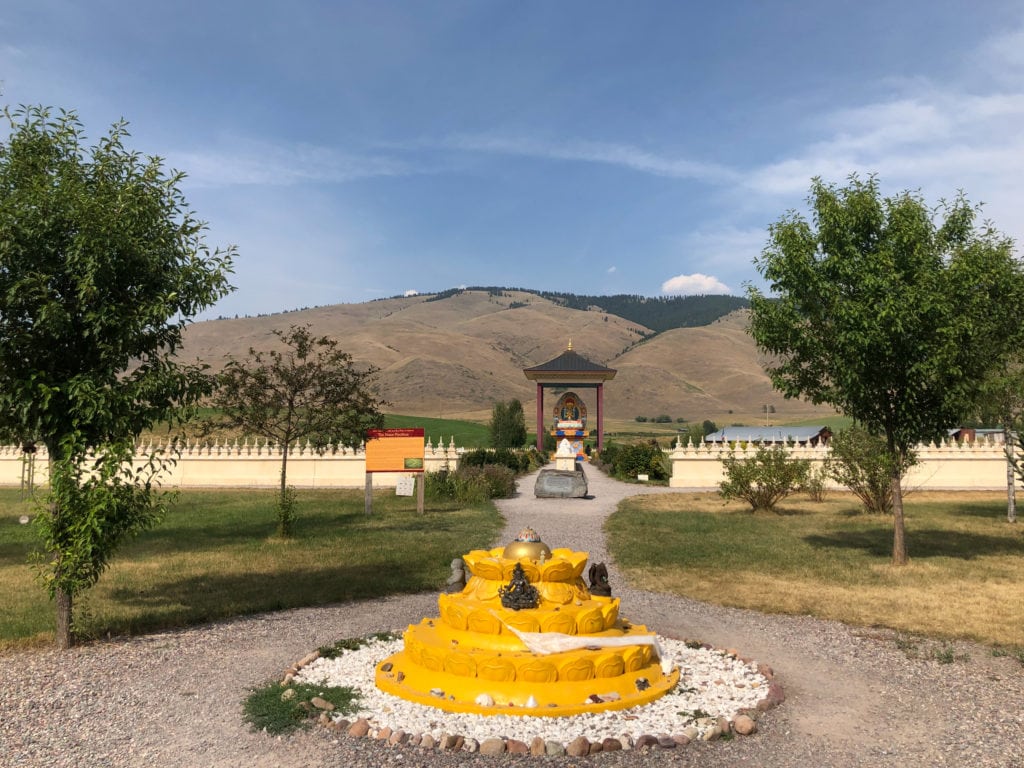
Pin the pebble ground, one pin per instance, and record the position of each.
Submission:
(855, 697)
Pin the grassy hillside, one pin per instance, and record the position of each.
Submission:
(451, 356)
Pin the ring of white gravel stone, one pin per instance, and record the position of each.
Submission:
(716, 689)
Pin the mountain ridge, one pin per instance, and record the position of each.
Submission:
(454, 354)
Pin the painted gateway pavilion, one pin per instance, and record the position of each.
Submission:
(527, 637)
(570, 371)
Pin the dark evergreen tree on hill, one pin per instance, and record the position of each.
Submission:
(659, 314)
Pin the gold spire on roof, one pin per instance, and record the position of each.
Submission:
(570, 343)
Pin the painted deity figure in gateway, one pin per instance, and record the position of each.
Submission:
(570, 411)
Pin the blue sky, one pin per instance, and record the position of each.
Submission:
(354, 151)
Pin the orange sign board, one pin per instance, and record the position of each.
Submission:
(394, 450)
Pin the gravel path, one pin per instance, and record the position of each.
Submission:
(854, 698)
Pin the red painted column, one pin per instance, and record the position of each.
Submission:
(600, 416)
(540, 416)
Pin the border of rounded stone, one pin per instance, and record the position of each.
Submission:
(743, 724)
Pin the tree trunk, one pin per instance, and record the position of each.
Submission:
(284, 512)
(1011, 481)
(63, 600)
(284, 469)
(899, 542)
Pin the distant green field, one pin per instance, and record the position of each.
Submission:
(467, 434)
(835, 423)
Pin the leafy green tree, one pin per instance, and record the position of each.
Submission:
(859, 460)
(885, 313)
(764, 479)
(508, 425)
(102, 263)
(310, 390)
(1002, 402)
(693, 434)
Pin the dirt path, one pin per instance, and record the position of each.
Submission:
(853, 697)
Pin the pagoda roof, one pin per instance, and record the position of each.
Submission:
(570, 362)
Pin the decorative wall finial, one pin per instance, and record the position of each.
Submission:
(570, 344)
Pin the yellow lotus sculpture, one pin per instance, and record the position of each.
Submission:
(572, 653)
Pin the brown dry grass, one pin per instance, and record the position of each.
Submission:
(829, 561)
(453, 358)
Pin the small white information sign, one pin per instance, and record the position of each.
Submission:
(643, 478)
(406, 486)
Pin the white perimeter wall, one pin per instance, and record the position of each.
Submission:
(951, 466)
(250, 465)
(975, 466)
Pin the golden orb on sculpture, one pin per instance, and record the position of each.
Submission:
(527, 544)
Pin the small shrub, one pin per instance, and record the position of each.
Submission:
(273, 710)
(605, 458)
(471, 484)
(475, 458)
(909, 647)
(663, 418)
(535, 459)
(765, 479)
(628, 461)
(861, 462)
(1015, 651)
(337, 648)
(641, 419)
(286, 512)
(814, 485)
(517, 461)
(501, 481)
(439, 486)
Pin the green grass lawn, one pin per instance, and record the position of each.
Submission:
(964, 579)
(467, 434)
(215, 555)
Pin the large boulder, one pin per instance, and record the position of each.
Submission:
(560, 484)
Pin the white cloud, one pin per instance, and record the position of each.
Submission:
(612, 270)
(689, 285)
(934, 137)
(622, 155)
(411, 292)
(1002, 57)
(250, 162)
(937, 142)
